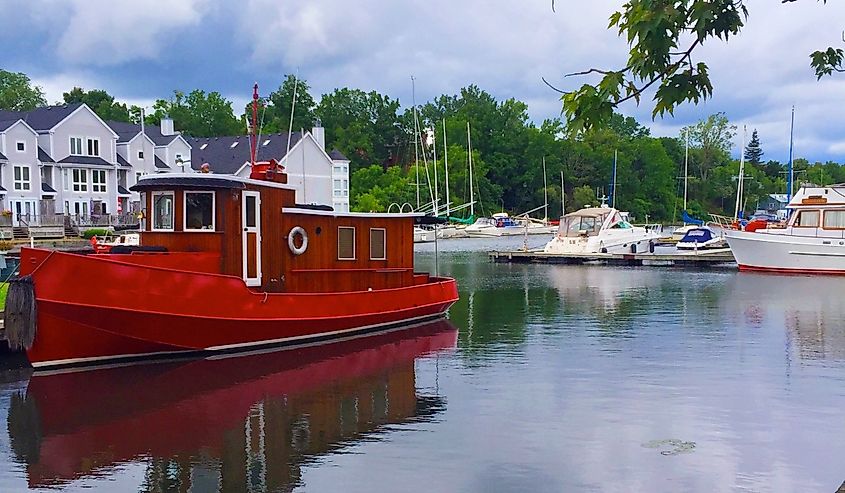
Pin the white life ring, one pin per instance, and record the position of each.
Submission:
(297, 230)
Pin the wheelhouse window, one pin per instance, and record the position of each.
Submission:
(98, 180)
(80, 180)
(199, 211)
(834, 219)
(807, 219)
(21, 181)
(345, 243)
(378, 250)
(162, 211)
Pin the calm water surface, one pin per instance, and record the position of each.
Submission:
(546, 378)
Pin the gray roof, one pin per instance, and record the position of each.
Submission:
(5, 124)
(43, 118)
(43, 156)
(222, 157)
(161, 164)
(95, 160)
(128, 131)
(2, 157)
(45, 188)
(337, 156)
(123, 162)
(121, 190)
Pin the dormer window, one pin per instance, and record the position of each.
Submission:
(93, 147)
(21, 146)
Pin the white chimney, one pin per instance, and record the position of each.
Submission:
(319, 134)
(167, 126)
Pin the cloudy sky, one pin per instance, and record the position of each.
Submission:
(140, 50)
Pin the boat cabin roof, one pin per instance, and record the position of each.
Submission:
(591, 212)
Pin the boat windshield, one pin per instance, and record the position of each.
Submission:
(484, 221)
(577, 225)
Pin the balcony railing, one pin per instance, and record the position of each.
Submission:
(29, 220)
(103, 220)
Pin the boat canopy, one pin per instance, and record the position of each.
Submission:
(590, 221)
(697, 235)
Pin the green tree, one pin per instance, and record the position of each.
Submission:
(710, 143)
(275, 111)
(17, 93)
(198, 114)
(753, 151)
(662, 36)
(101, 102)
(584, 196)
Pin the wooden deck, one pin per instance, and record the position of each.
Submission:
(701, 259)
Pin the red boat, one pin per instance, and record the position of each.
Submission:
(212, 415)
(224, 264)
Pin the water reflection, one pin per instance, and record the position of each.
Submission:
(234, 424)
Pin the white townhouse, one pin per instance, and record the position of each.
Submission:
(64, 163)
(319, 177)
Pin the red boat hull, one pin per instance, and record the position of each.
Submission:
(95, 309)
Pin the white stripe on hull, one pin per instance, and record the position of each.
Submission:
(787, 252)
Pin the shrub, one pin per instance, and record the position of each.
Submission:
(94, 232)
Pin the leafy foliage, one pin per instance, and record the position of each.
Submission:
(17, 93)
(659, 58)
(102, 103)
(753, 151)
(198, 114)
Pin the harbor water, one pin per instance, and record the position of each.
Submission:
(545, 378)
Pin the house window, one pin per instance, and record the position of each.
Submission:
(199, 211)
(98, 180)
(21, 146)
(21, 181)
(162, 211)
(345, 188)
(93, 147)
(337, 169)
(80, 180)
(140, 154)
(65, 179)
(377, 244)
(834, 219)
(76, 146)
(807, 219)
(345, 243)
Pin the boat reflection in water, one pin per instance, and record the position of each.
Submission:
(233, 424)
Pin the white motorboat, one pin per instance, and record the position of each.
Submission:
(422, 235)
(813, 240)
(600, 230)
(700, 238)
(503, 225)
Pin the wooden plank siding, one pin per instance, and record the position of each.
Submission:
(318, 269)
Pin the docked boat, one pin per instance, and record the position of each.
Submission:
(423, 235)
(501, 224)
(600, 230)
(700, 238)
(224, 264)
(813, 240)
(106, 243)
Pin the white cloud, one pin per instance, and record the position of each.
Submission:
(108, 32)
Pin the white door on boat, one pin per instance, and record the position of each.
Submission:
(251, 220)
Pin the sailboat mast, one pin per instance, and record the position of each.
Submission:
(790, 176)
(613, 185)
(686, 167)
(416, 139)
(545, 194)
(562, 196)
(290, 126)
(446, 165)
(741, 173)
(469, 148)
(435, 204)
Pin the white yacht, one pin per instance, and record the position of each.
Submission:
(813, 240)
(600, 230)
(423, 235)
(503, 225)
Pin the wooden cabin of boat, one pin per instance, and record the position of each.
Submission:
(252, 228)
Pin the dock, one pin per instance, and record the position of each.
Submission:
(722, 257)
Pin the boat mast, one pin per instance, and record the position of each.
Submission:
(435, 203)
(416, 137)
(469, 148)
(290, 125)
(686, 168)
(252, 142)
(562, 196)
(613, 185)
(446, 165)
(545, 194)
(741, 173)
(790, 177)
